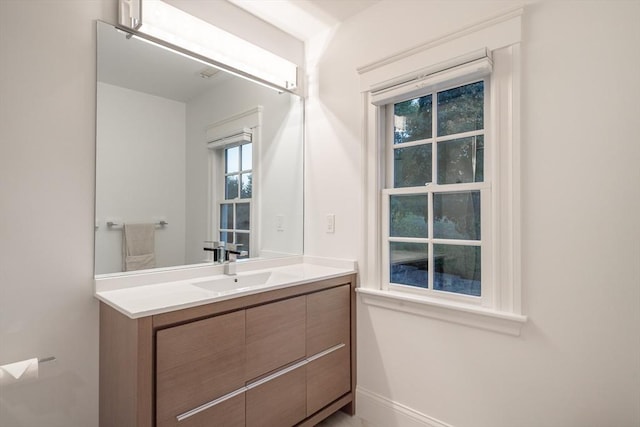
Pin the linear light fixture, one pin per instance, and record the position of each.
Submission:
(171, 25)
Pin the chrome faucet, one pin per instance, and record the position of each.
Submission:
(232, 253)
(218, 249)
(225, 253)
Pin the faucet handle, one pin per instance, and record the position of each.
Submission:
(218, 249)
(210, 245)
(235, 247)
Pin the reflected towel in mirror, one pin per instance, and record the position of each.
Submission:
(138, 246)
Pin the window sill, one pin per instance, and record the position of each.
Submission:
(476, 317)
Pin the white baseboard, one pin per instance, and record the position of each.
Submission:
(379, 411)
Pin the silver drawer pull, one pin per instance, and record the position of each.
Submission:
(211, 404)
(324, 353)
(257, 383)
(277, 374)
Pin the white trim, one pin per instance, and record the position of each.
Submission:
(380, 411)
(237, 138)
(479, 54)
(442, 76)
(506, 208)
(230, 125)
(445, 310)
(501, 30)
(373, 156)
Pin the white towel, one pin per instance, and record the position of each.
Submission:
(18, 371)
(138, 246)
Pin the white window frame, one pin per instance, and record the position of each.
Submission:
(245, 137)
(432, 188)
(232, 131)
(448, 62)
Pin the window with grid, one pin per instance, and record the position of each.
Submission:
(442, 179)
(235, 209)
(436, 204)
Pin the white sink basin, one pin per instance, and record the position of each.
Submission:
(233, 283)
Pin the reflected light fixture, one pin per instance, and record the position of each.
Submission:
(168, 24)
(208, 72)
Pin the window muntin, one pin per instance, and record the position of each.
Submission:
(436, 192)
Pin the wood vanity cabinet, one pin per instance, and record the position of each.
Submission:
(279, 358)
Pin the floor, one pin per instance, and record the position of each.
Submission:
(340, 419)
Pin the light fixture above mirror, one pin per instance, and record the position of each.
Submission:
(161, 22)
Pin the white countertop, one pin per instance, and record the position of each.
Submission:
(142, 300)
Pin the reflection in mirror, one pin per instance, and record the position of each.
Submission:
(203, 155)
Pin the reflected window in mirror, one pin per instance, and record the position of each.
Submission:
(235, 225)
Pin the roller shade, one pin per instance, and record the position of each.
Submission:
(462, 69)
(240, 137)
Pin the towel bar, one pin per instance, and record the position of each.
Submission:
(112, 224)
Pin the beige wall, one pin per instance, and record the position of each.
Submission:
(577, 362)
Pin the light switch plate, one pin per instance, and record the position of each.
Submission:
(331, 223)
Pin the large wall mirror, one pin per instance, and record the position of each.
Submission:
(200, 154)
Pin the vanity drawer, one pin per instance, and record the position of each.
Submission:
(328, 319)
(278, 402)
(328, 378)
(197, 363)
(275, 336)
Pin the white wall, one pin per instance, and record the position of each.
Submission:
(577, 362)
(47, 132)
(141, 143)
(47, 173)
(279, 177)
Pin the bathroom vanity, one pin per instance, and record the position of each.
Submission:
(274, 344)
(279, 353)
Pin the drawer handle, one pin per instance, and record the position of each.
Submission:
(324, 353)
(277, 374)
(257, 383)
(294, 366)
(211, 404)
